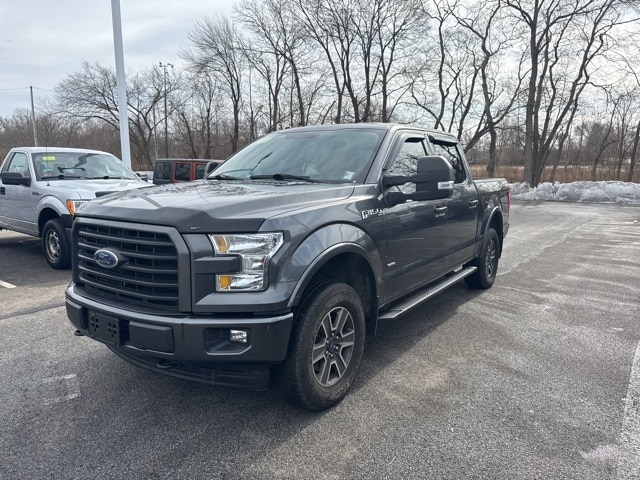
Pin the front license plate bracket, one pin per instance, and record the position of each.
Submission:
(104, 328)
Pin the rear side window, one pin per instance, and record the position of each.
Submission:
(451, 153)
(200, 170)
(182, 172)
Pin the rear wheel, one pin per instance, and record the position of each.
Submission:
(326, 346)
(56, 246)
(487, 263)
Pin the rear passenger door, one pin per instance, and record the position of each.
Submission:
(182, 171)
(462, 206)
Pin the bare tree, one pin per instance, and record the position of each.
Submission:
(624, 109)
(328, 23)
(564, 39)
(198, 129)
(279, 36)
(443, 82)
(92, 94)
(216, 49)
(499, 94)
(629, 60)
(266, 51)
(385, 30)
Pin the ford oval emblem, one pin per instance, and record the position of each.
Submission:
(106, 258)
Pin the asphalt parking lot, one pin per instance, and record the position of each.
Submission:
(537, 378)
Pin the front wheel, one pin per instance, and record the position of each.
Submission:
(56, 246)
(487, 263)
(326, 346)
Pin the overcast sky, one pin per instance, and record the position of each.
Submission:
(41, 41)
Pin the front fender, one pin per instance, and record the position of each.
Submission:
(51, 207)
(51, 202)
(323, 245)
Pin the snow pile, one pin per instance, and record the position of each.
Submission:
(585, 192)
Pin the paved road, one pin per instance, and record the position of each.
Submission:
(538, 377)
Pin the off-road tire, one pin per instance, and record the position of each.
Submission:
(326, 346)
(487, 263)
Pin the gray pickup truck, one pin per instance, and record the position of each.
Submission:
(41, 187)
(286, 256)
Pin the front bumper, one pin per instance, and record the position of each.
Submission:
(195, 347)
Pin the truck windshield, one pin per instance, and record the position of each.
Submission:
(332, 156)
(75, 165)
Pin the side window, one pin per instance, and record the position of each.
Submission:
(200, 170)
(19, 163)
(452, 154)
(162, 171)
(406, 162)
(183, 172)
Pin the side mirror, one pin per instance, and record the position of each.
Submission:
(14, 178)
(211, 166)
(437, 178)
(434, 180)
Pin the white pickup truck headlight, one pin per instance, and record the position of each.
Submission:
(254, 250)
(74, 205)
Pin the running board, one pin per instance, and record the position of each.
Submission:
(425, 295)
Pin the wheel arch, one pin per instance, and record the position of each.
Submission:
(50, 207)
(44, 216)
(348, 262)
(495, 221)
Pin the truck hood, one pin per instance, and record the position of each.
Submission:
(84, 189)
(213, 205)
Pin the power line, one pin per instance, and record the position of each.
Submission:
(26, 88)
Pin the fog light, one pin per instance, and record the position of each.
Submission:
(239, 336)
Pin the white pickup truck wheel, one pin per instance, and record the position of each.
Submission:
(55, 244)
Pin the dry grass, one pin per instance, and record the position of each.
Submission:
(563, 175)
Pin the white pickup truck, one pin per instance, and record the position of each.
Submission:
(41, 187)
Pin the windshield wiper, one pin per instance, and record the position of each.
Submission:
(106, 177)
(284, 176)
(223, 176)
(60, 177)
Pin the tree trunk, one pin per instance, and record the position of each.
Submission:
(634, 153)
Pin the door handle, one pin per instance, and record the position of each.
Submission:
(440, 211)
(473, 204)
(1, 190)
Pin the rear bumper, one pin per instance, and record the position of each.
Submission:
(186, 346)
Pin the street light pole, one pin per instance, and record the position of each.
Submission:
(164, 66)
(122, 89)
(33, 119)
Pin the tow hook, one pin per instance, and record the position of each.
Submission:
(78, 333)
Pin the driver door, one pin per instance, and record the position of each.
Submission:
(415, 245)
(17, 202)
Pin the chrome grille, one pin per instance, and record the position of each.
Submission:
(148, 278)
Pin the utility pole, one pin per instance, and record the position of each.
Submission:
(164, 66)
(33, 119)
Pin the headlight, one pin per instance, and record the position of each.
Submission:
(254, 250)
(74, 205)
